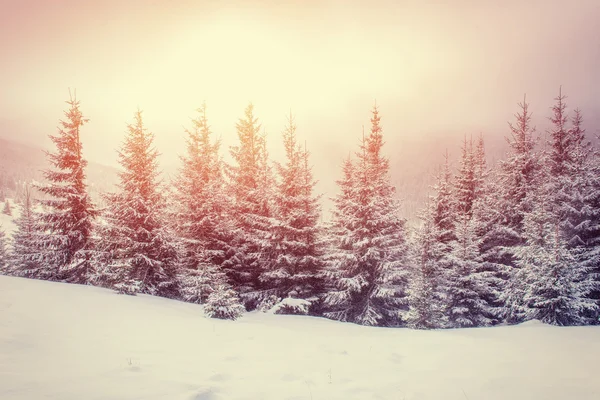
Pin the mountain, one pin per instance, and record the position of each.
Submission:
(21, 162)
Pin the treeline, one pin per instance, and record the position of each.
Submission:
(497, 244)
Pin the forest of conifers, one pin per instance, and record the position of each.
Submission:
(504, 243)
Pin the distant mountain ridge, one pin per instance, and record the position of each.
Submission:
(20, 162)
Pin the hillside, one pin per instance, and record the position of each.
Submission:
(20, 162)
(66, 342)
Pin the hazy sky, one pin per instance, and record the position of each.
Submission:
(435, 67)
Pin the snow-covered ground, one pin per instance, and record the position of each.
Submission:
(65, 342)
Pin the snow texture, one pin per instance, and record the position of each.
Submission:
(73, 342)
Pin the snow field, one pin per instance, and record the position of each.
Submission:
(60, 341)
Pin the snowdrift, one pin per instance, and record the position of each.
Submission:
(71, 342)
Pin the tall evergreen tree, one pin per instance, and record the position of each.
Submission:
(572, 183)
(467, 306)
(481, 168)
(493, 272)
(430, 288)
(137, 253)
(519, 176)
(3, 252)
(428, 294)
(444, 206)
(589, 254)
(560, 138)
(201, 218)
(298, 259)
(372, 281)
(474, 286)
(250, 187)
(466, 180)
(26, 255)
(68, 215)
(550, 285)
(519, 173)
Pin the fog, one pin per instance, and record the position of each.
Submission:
(438, 70)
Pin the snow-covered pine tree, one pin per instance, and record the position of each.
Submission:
(493, 274)
(550, 284)
(465, 183)
(6, 210)
(576, 208)
(572, 180)
(518, 176)
(467, 304)
(26, 252)
(136, 250)
(434, 246)
(444, 206)
(298, 260)
(68, 215)
(560, 138)
(566, 187)
(482, 171)
(580, 208)
(429, 285)
(589, 255)
(473, 193)
(341, 266)
(250, 188)
(201, 219)
(223, 302)
(372, 282)
(3, 252)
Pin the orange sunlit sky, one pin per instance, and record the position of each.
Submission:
(435, 67)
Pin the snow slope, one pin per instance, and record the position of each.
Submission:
(65, 342)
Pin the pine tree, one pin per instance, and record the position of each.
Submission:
(201, 218)
(551, 285)
(68, 216)
(27, 254)
(209, 285)
(250, 187)
(494, 274)
(475, 214)
(371, 284)
(467, 308)
(297, 262)
(444, 206)
(466, 180)
(560, 139)
(519, 174)
(429, 308)
(137, 251)
(3, 252)
(572, 182)
(580, 211)
(481, 169)
(518, 177)
(223, 303)
(428, 294)
(7, 210)
(589, 254)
